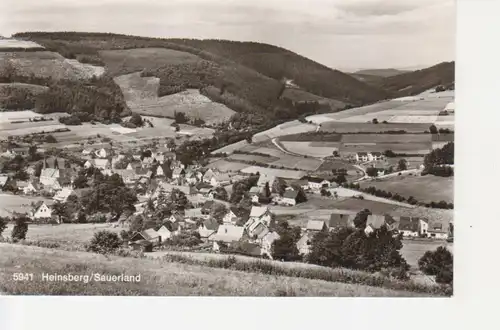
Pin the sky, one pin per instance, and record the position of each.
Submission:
(342, 34)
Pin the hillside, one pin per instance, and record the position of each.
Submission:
(380, 72)
(159, 278)
(244, 76)
(416, 82)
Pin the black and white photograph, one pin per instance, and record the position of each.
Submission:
(227, 148)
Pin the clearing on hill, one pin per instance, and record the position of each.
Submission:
(141, 95)
(133, 60)
(299, 95)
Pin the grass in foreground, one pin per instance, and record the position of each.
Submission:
(158, 278)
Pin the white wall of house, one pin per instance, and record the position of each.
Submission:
(289, 201)
(43, 212)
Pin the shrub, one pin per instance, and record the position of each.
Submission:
(439, 263)
(50, 139)
(20, 228)
(3, 224)
(104, 242)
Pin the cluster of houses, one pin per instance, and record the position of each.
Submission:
(236, 227)
(368, 156)
(404, 225)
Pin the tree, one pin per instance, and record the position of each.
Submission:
(136, 224)
(301, 195)
(389, 153)
(372, 171)
(325, 192)
(104, 242)
(326, 247)
(59, 209)
(3, 224)
(221, 194)
(375, 121)
(285, 247)
(433, 129)
(171, 144)
(218, 212)
(439, 263)
(336, 153)
(279, 186)
(180, 118)
(361, 218)
(81, 181)
(50, 139)
(136, 119)
(21, 175)
(267, 190)
(179, 200)
(20, 228)
(402, 165)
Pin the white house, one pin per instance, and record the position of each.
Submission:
(209, 174)
(103, 153)
(304, 243)
(318, 183)
(63, 195)
(316, 225)
(164, 233)
(221, 179)
(363, 157)
(266, 242)
(226, 233)
(41, 211)
(32, 188)
(231, 216)
(438, 230)
(412, 226)
(377, 156)
(208, 228)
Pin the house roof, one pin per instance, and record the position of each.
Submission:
(375, 221)
(254, 190)
(177, 171)
(22, 184)
(63, 194)
(315, 179)
(260, 230)
(211, 224)
(228, 233)
(150, 234)
(362, 154)
(3, 180)
(263, 178)
(438, 227)
(292, 194)
(55, 162)
(258, 211)
(37, 206)
(301, 182)
(315, 225)
(193, 213)
(341, 220)
(100, 162)
(305, 238)
(408, 224)
(376, 153)
(49, 173)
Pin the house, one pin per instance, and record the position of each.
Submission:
(339, 220)
(409, 226)
(32, 188)
(221, 179)
(174, 218)
(267, 242)
(232, 216)
(149, 235)
(226, 233)
(377, 156)
(193, 214)
(147, 162)
(101, 164)
(304, 243)
(254, 193)
(209, 174)
(261, 213)
(102, 153)
(438, 230)
(21, 185)
(48, 175)
(191, 177)
(3, 180)
(177, 173)
(391, 223)
(259, 222)
(63, 195)
(302, 183)
(363, 157)
(164, 233)
(376, 221)
(40, 211)
(317, 183)
(316, 225)
(264, 178)
(208, 228)
(87, 152)
(133, 166)
(142, 245)
(290, 197)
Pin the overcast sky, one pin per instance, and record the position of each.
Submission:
(343, 34)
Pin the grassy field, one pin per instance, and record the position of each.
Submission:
(386, 138)
(306, 148)
(343, 127)
(157, 278)
(424, 188)
(17, 203)
(287, 174)
(13, 43)
(226, 166)
(253, 158)
(299, 95)
(68, 235)
(413, 250)
(293, 127)
(130, 60)
(141, 95)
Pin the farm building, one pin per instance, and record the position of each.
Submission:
(193, 214)
(438, 230)
(142, 245)
(317, 183)
(412, 226)
(221, 179)
(374, 222)
(226, 233)
(164, 233)
(149, 235)
(208, 228)
(363, 157)
(304, 243)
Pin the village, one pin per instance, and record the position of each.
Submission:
(206, 216)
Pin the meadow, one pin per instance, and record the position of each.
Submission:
(227, 166)
(343, 127)
(311, 149)
(177, 277)
(428, 188)
(141, 95)
(292, 127)
(287, 174)
(18, 203)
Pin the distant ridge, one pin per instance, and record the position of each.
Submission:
(380, 72)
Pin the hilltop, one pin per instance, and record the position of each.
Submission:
(380, 72)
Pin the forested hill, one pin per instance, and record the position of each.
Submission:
(268, 60)
(416, 82)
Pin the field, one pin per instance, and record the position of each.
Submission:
(386, 138)
(132, 60)
(311, 149)
(7, 88)
(157, 277)
(45, 65)
(405, 148)
(287, 174)
(226, 166)
(13, 43)
(253, 158)
(71, 235)
(357, 205)
(413, 250)
(141, 95)
(424, 188)
(9, 116)
(16, 203)
(229, 149)
(343, 127)
(293, 127)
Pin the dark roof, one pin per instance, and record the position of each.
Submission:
(290, 194)
(376, 153)
(389, 219)
(409, 224)
(55, 162)
(211, 224)
(339, 220)
(362, 153)
(313, 179)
